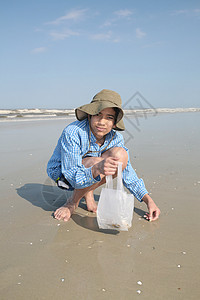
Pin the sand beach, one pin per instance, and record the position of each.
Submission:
(43, 258)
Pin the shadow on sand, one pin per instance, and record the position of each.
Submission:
(49, 197)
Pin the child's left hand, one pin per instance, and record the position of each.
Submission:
(154, 211)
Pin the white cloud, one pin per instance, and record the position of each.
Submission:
(74, 15)
(105, 37)
(155, 44)
(197, 10)
(179, 12)
(102, 36)
(123, 13)
(119, 14)
(117, 40)
(139, 33)
(39, 50)
(38, 30)
(63, 35)
(107, 23)
(186, 12)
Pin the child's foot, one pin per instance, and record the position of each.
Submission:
(64, 212)
(91, 204)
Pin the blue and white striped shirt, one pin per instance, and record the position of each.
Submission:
(71, 147)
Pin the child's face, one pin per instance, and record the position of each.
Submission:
(102, 123)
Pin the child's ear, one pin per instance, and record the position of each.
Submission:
(114, 126)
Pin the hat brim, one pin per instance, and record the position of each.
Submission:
(94, 108)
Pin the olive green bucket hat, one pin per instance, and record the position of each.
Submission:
(102, 100)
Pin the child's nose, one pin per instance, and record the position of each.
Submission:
(102, 120)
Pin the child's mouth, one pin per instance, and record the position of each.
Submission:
(100, 129)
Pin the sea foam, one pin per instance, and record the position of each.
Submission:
(37, 113)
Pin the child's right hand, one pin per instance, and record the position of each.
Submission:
(108, 166)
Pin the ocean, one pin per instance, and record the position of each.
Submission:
(39, 114)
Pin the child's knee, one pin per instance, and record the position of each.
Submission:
(122, 155)
(118, 152)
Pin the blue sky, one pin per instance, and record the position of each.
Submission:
(58, 54)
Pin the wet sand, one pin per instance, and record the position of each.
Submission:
(42, 258)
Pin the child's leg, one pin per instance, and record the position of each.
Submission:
(89, 196)
(90, 202)
(66, 211)
(90, 161)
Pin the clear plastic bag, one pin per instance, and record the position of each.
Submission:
(115, 208)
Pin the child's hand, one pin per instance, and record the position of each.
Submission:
(108, 166)
(154, 211)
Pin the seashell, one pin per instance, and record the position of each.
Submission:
(116, 225)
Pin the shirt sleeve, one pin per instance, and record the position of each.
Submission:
(71, 162)
(134, 184)
(130, 179)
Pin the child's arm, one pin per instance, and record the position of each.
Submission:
(154, 211)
